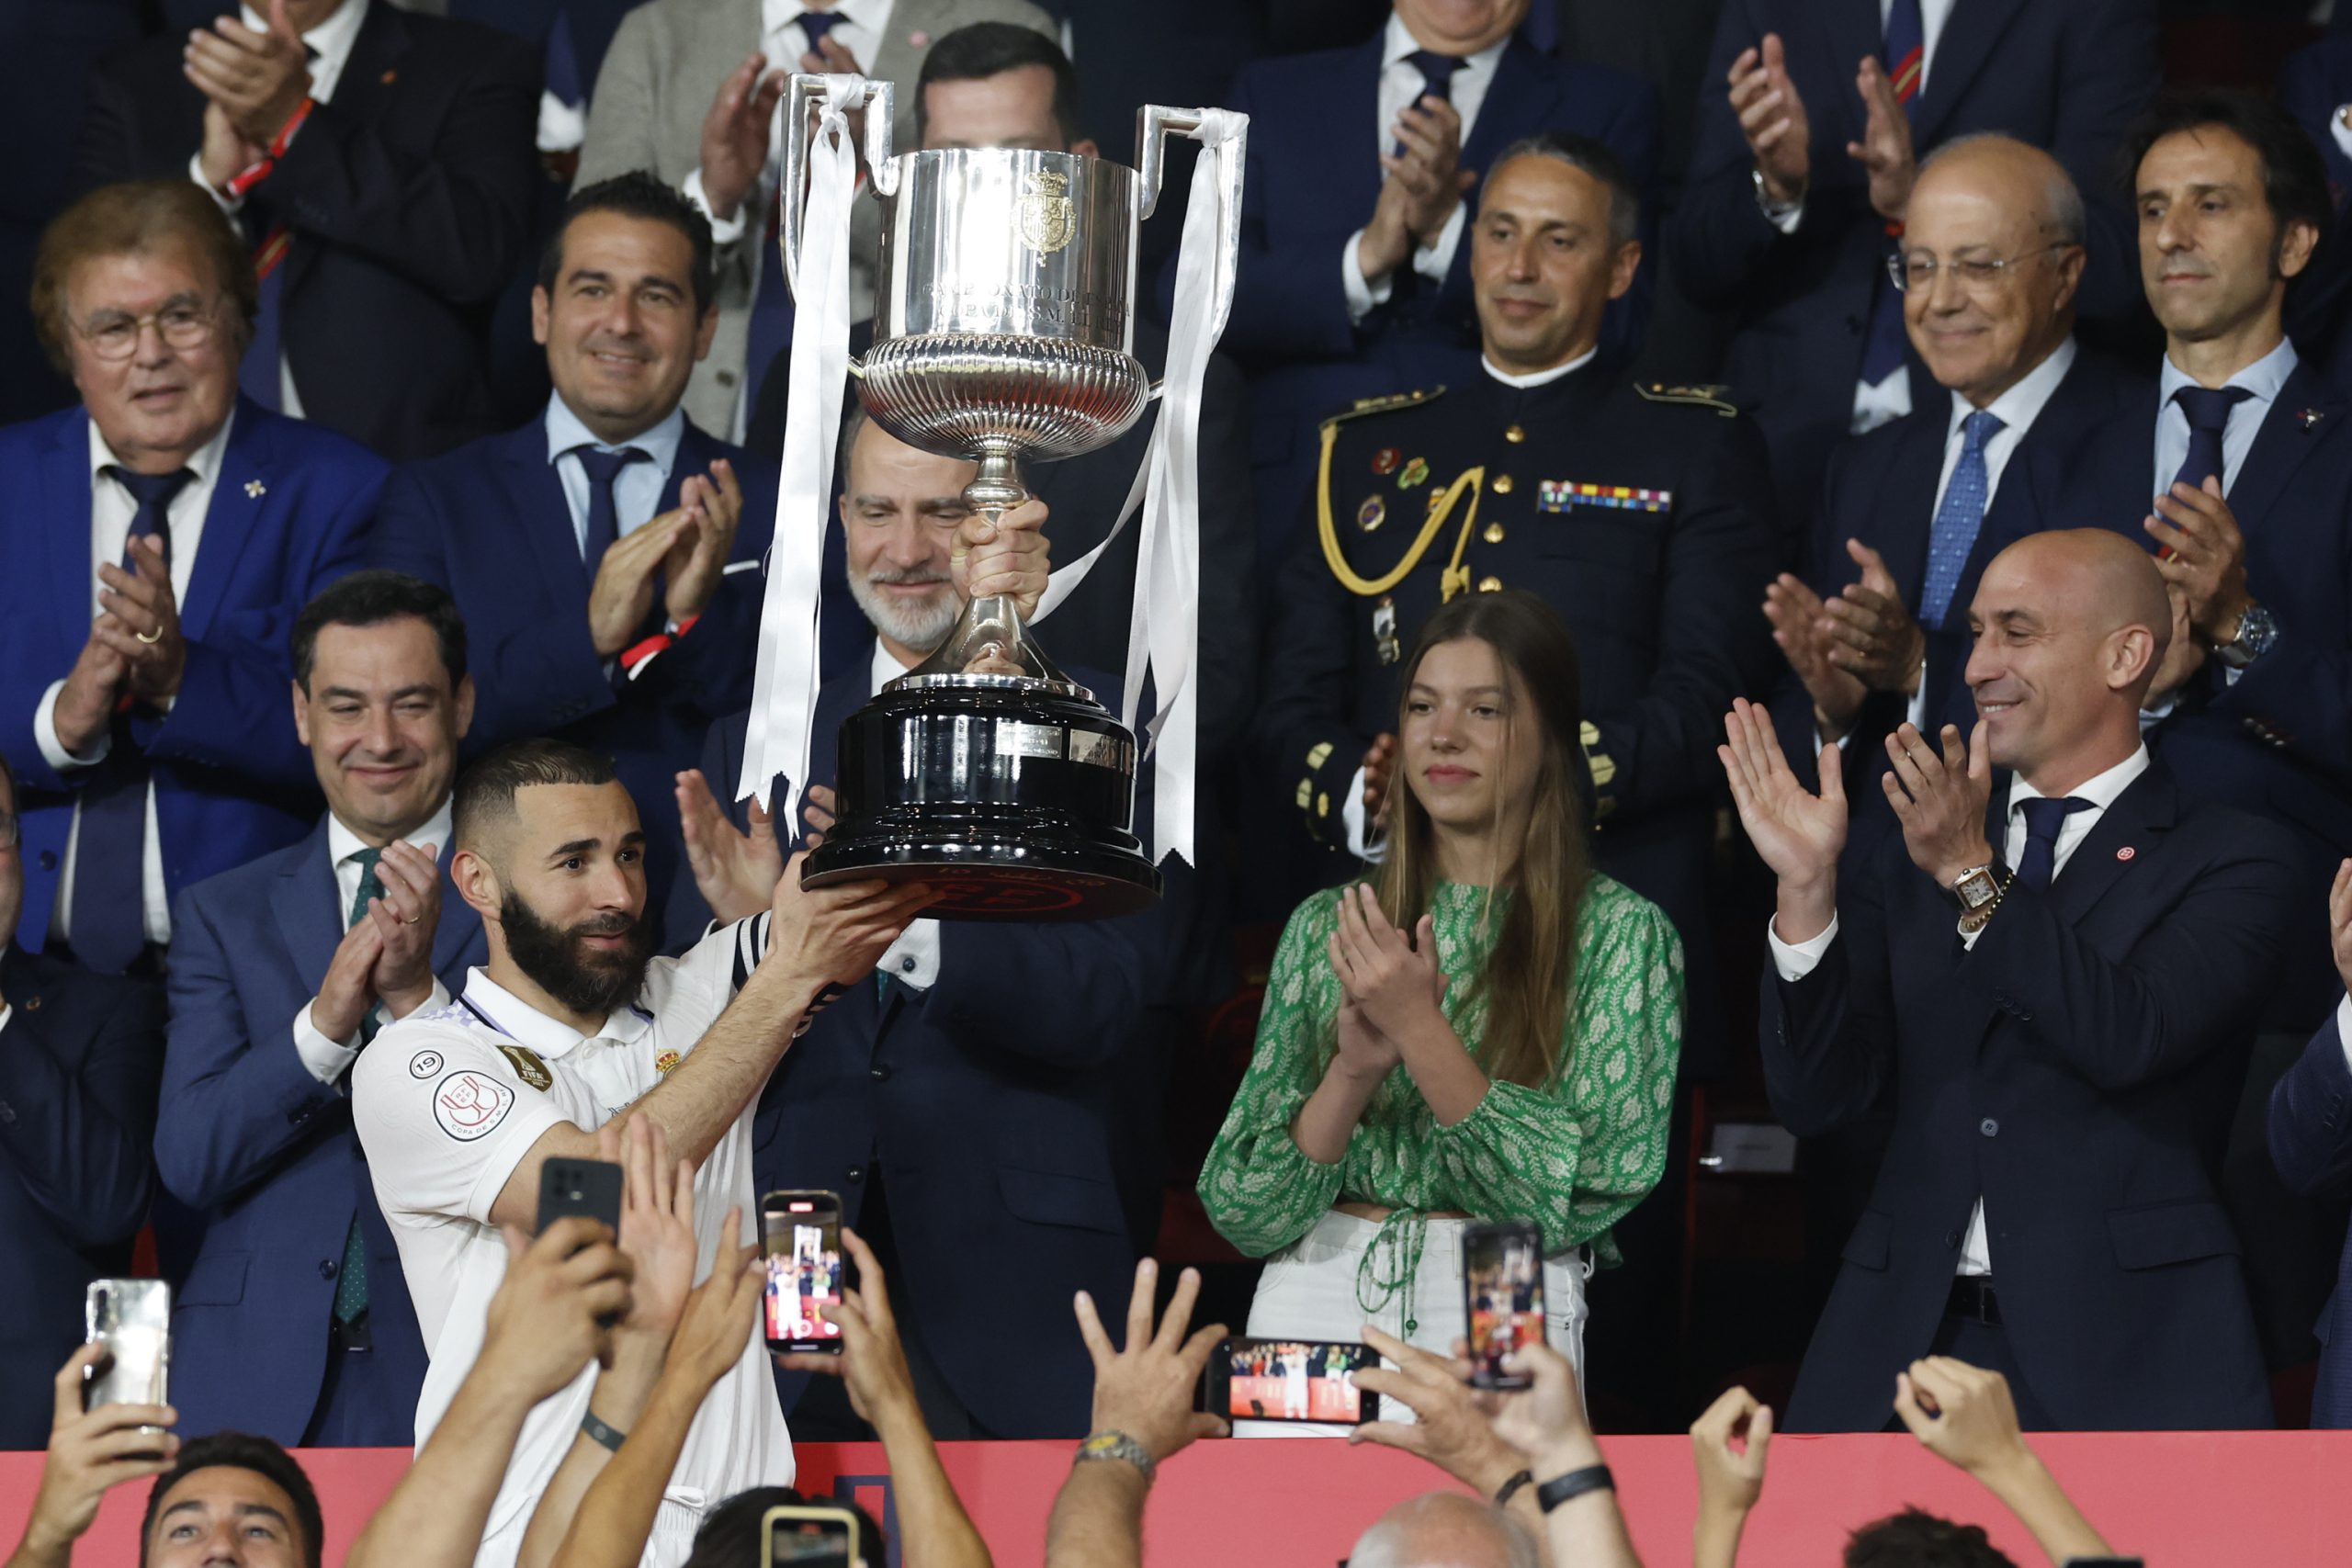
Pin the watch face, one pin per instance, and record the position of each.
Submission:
(1975, 889)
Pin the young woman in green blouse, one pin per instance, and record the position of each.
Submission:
(1488, 1030)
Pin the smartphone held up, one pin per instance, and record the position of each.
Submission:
(1503, 1298)
(1289, 1380)
(801, 1234)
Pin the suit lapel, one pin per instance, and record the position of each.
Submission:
(545, 516)
(308, 907)
(2281, 444)
(1525, 87)
(1971, 35)
(243, 492)
(364, 92)
(2145, 809)
(1919, 464)
(72, 574)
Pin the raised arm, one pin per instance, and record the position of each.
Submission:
(1964, 1415)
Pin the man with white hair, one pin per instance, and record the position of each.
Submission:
(1446, 1530)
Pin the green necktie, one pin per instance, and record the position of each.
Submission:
(351, 1281)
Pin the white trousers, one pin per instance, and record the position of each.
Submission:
(1308, 1291)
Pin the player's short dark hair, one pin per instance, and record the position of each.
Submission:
(242, 1450)
(1594, 157)
(371, 597)
(730, 1536)
(2294, 179)
(981, 50)
(1914, 1538)
(486, 790)
(639, 195)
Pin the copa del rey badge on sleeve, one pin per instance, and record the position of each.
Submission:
(1003, 333)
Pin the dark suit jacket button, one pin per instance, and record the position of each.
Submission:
(329, 1268)
(7, 1113)
(49, 859)
(1951, 1238)
(856, 1174)
(880, 1073)
(1989, 1127)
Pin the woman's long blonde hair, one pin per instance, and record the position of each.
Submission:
(1529, 979)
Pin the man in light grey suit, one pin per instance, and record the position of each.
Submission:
(687, 91)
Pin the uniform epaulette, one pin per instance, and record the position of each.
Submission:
(1382, 405)
(1711, 395)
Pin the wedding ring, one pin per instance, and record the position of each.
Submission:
(411, 919)
(150, 639)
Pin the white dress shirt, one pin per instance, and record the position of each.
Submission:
(330, 1059)
(111, 509)
(331, 40)
(863, 25)
(1401, 86)
(1361, 844)
(1796, 961)
(2016, 409)
(1875, 404)
(913, 959)
(637, 488)
(7, 1012)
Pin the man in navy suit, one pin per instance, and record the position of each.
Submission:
(604, 556)
(2311, 1141)
(1875, 628)
(1355, 267)
(78, 1059)
(158, 540)
(2054, 978)
(282, 973)
(379, 165)
(986, 1103)
(1804, 164)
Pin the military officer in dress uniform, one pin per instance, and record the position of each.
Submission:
(1642, 514)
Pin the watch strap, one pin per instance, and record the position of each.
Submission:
(1567, 1488)
(602, 1433)
(1112, 1444)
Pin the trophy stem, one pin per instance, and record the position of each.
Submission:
(990, 638)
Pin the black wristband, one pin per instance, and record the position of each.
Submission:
(1574, 1484)
(1511, 1488)
(596, 1431)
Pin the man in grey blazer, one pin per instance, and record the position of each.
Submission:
(689, 91)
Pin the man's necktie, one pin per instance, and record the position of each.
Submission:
(1437, 77)
(604, 517)
(769, 332)
(109, 910)
(258, 371)
(1958, 519)
(351, 1280)
(2208, 410)
(1906, 54)
(2042, 818)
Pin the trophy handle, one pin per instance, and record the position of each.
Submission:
(1155, 123)
(803, 94)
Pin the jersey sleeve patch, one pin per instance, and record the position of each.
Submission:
(467, 1105)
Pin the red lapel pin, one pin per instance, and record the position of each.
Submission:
(2126, 852)
(389, 77)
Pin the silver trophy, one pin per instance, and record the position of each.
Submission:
(1003, 331)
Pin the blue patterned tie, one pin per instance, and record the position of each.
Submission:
(2042, 816)
(1906, 49)
(2207, 411)
(110, 852)
(769, 332)
(604, 515)
(1953, 534)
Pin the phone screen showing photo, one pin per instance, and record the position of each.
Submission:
(1297, 1380)
(802, 1233)
(1502, 1292)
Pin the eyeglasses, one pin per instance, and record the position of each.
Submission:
(115, 334)
(1917, 271)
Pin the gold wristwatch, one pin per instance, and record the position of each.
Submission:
(1979, 889)
(1117, 1445)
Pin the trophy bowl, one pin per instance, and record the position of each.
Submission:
(1003, 331)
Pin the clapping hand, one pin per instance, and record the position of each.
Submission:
(2203, 555)
(1393, 980)
(735, 134)
(405, 918)
(696, 561)
(2339, 922)
(1884, 152)
(258, 79)
(1379, 768)
(1798, 834)
(1773, 116)
(622, 595)
(1798, 617)
(735, 872)
(1867, 631)
(141, 622)
(1941, 799)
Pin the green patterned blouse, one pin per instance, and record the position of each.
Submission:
(1573, 1158)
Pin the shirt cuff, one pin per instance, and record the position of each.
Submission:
(2343, 1027)
(562, 127)
(1434, 262)
(7, 1012)
(1361, 844)
(723, 232)
(327, 1059)
(1786, 219)
(1362, 297)
(52, 749)
(913, 959)
(1796, 961)
(2337, 129)
(2151, 716)
(229, 204)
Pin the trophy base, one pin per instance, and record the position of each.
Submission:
(1011, 796)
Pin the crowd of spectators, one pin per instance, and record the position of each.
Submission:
(1879, 473)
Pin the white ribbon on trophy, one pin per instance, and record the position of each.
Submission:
(783, 691)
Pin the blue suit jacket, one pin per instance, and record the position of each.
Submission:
(260, 1156)
(1290, 328)
(2064, 74)
(231, 780)
(2077, 1070)
(78, 1062)
(1881, 490)
(489, 522)
(2311, 1143)
(1007, 1104)
(2279, 741)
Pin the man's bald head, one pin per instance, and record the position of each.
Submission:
(1992, 253)
(1446, 1530)
(2026, 179)
(2069, 628)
